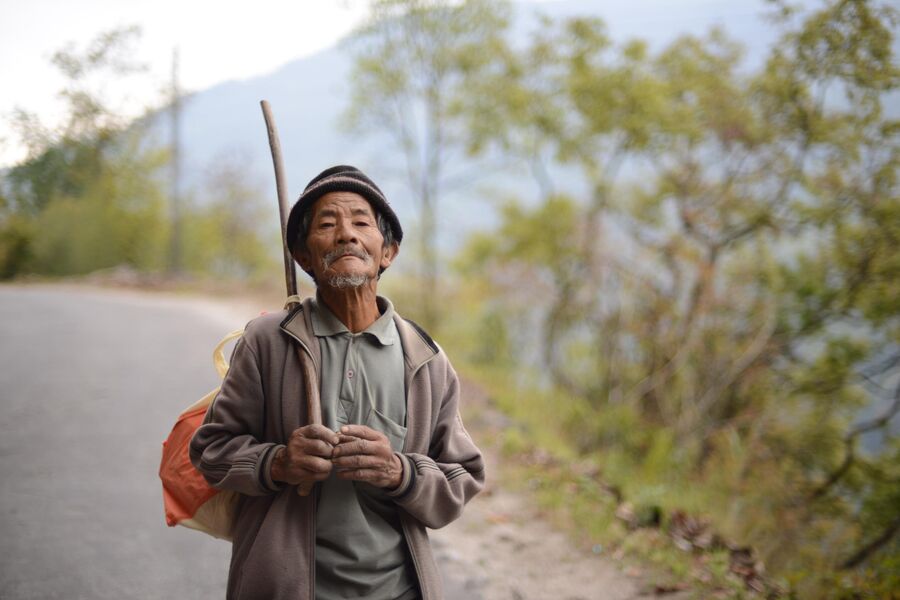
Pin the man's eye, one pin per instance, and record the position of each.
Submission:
(362, 223)
(326, 225)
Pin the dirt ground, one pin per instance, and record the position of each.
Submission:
(501, 548)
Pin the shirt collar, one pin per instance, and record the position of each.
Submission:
(325, 324)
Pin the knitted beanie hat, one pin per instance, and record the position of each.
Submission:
(342, 178)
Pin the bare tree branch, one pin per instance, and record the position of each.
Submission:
(863, 554)
(850, 445)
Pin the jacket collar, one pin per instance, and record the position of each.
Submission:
(326, 324)
(298, 325)
(418, 347)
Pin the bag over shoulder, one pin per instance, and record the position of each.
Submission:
(188, 499)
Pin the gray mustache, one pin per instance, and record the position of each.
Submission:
(337, 253)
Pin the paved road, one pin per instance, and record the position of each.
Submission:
(89, 385)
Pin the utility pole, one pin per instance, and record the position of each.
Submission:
(175, 247)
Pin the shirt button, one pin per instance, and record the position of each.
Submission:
(350, 374)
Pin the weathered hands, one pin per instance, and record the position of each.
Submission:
(307, 456)
(364, 454)
(358, 453)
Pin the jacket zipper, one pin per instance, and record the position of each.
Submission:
(312, 546)
(415, 560)
(312, 494)
(312, 513)
(412, 550)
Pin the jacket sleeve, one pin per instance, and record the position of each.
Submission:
(441, 482)
(226, 447)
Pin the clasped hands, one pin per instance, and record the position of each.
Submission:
(356, 452)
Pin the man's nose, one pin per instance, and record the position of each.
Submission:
(346, 233)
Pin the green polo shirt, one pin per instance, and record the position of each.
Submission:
(360, 548)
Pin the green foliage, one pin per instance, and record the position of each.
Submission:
(539, 238)
(712, 319)
(90, 195)
(223, 230)
(415, 62)
(16, 238)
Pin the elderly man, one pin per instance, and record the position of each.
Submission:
(392, 457)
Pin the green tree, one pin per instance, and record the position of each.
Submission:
(86, 196)
(62, 161)
(223, 227)
(414, 59)
(730, 274)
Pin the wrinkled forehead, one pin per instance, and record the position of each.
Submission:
(341, 203)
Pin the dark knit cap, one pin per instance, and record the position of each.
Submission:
(342, 178)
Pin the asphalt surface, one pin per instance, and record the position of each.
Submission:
(90, 385)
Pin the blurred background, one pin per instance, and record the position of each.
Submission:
(659, 238)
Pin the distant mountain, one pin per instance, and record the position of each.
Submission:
(309, 94)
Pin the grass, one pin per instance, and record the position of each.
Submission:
(580, 492)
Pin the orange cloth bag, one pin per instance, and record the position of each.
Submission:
(188, 499)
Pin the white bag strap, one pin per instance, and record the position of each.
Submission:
(219, 353)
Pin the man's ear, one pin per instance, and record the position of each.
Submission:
(301, 255)
(390, 253)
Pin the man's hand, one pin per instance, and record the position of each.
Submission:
(363, 454)
(307, 457)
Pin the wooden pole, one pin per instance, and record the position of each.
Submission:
(175, 263)
(290, 270)
(310, 380)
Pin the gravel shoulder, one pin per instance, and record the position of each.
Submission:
(502, 548)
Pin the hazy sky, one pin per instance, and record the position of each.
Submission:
(217, 41)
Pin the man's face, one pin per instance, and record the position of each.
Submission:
(344, 247)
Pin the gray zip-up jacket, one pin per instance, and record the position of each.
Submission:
(262, 401)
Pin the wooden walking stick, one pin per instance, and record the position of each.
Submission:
(310, 379)
(290, 271)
